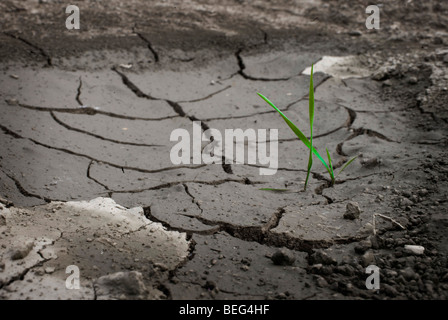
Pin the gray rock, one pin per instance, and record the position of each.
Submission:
(5, 202)
(417, 250)
(281, 296)
(283, 257)
(22, 250)
(389, 290)
(407, 194)
(316, 268)
(49, 270)
(355, 33)
(367, 258)
(363, 246)
(2, 220)
(352, 211)
(321, 257)
(121, 285)
(409, 274)
(211, 285)
(390, 273)
(321, 282)
(247, 261)
(371, 163)
(404, 202)
(412, 80)
(345, 270)
(375, 241)
(383, 73)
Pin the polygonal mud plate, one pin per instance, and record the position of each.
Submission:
(321, 224)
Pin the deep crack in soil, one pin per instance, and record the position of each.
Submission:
(169, 66)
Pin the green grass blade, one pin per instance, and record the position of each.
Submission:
(311, 102)
(346, 165)
(311, 114)
(310, 164)
(330, 164)
(297, 132)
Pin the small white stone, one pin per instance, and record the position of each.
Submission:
(418, 250)
(49, 270)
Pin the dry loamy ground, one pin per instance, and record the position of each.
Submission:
(86, 178)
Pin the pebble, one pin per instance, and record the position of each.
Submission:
(49, 270)
(352, 211)
(387, 83)
(22, 250)
(367, 258)
(390, 273)
(210, 285)
(244, 267)
(12, 102)
(355, 33)
(406, 194)
(346, 270)
(282, 257)
(412, 80)
(382, 74)
(321, 282)
(389, 290)
(417, 250)
(363, 246)
(281, 296)
(405, 202)
(375, 241)
(408, 273)
(367, 229)
(321, 257)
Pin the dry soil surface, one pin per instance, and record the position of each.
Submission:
(86, 179)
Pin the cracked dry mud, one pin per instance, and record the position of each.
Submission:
(86, 177)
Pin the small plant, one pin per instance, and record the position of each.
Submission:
(306, 142)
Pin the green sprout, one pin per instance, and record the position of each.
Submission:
(304, 139)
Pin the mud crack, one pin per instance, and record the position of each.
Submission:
(242, 67)
(263, 234)
(78, 92)
(149, 45)
(17, 136)
(32, 45)
(23, 191)
(86, 111)
(96, 181)
(66, 126)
